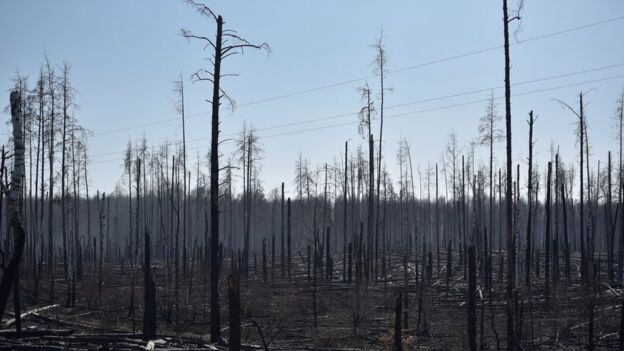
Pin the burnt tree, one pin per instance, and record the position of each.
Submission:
(233, 44)
(14, 195)
(149, 311)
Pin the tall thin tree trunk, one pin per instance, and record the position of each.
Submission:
(529, 246)
(283, 250)
(149, 311)
(344, 226)
(472, 299)
(66, 102)
(581, 189)
(565, 232)
(511, 342)
(215, 319)
(234, 308)
(13, 202)
(288, 240)
(51, 186)
(547, 231)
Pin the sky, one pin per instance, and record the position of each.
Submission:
(444, 61)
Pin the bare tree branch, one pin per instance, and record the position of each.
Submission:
(202, 9)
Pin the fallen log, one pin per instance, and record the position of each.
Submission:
(27, 333)
(11, 321)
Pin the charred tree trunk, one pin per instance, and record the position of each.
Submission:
(51, 186)
(288, 240)
(610, 224)
(283, 250)
(529, 246)
(511, 342)
(548, 226)
(13, 202)
(66, 101)
(329, 264)
(371, 206)
(472, 299)
(398, 344)
(149, 311)
(566, 243)
(344, 225)
(235, 311)
(581, 196)
(264, 263)
(622, 325)
(215, 319)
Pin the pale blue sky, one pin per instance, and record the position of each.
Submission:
(126, 54)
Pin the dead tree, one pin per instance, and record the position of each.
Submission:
(52, 93)
(548, 226)
(398, 341)
(437, 217)
(39, 162)
(283, 250)
(235, 311)
(620, 132)
(264, 263)
(380, 63)
(14, 196)
(610, 223)
(580, 131)
(179, 89)
(233, 44)
(556, 241)
(566, 241)
(622, 325)
(329, 264)
(472, 299)
(149, 311)
(364, 128)
(101, 244)
(248, 151)
(288, 240)
(529, 236)
(344, 225)
(67, 101)
(582, 214)
(508, 188)
(490, 134)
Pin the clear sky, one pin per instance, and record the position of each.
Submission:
(126, 54)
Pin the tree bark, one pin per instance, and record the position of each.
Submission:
(234, 310)
(529, 236)
(149, 311)
(13, 202)
(472, 299)
(215, 319)
(548, 234)
(508, 192)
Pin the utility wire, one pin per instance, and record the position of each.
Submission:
(345, 82)
(409, 113)
(438, 98)
(347, 114)
(429, 63)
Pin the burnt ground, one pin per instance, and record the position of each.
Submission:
(278, 314)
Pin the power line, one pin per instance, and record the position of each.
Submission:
(432, 99)
(438, 98)
(345, 82)
(149, 124)
(410, 113)
(444, 97)
(446, 107)
(424, 64)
